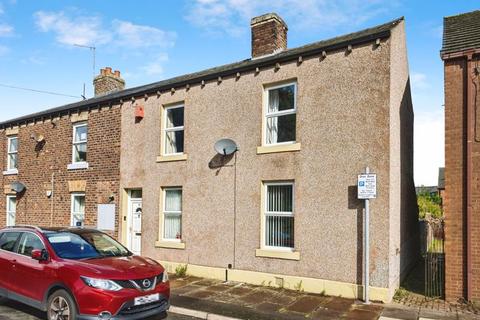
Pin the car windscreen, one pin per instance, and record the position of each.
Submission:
(85, 245)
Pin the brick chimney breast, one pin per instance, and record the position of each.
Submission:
(108, 82)
(269, 35)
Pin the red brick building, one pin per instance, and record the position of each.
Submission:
(62, 166)
(461, 56)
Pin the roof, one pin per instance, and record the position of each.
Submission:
(426, 189)
(356, 38)
(461, 32)
(441, 178)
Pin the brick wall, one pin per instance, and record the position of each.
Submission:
(455, 186)
(269, 35)
(37, 163)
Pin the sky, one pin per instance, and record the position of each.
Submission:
(151, 40)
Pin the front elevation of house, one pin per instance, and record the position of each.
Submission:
(282, 209)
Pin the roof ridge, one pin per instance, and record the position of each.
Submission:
(330, 44)
(461, 14)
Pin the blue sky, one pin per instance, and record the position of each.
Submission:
(154, 40)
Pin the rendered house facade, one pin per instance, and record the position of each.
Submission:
(282, 210)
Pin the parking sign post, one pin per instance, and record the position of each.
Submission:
(367, 189)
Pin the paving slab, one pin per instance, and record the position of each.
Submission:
(306, 304)
(200, 294)
(359, 314)
(403, 313)
(339, 304)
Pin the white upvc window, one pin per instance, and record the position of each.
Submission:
(279, 216)
(12, 160)
(77, 209)
(280, 114)
(79, 148)
(11, 210)
(173, 130)
(172, 214)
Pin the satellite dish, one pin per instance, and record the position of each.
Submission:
(225, 147)
(37, 137)
(17, 187)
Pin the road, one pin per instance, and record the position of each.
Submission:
(10, 310)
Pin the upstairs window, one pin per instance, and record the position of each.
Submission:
(172, 214)
(12, 160)
(280, 114)
(80, 132)
(173, 132)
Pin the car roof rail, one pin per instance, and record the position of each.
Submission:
(26, 226)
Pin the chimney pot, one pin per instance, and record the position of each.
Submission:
(108, 82)
(269, 35)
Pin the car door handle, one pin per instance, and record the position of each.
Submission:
(13, 263)
(138, 233)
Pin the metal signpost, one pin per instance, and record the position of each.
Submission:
(367, 189)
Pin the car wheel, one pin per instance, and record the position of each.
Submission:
(60, 306)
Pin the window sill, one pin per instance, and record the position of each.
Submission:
(77, 166)
(280, 254)
(170, 244)
(177, 157)
(10, 172)
(279, 148)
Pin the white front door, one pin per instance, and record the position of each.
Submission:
(135, 226)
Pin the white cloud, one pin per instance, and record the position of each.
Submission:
(155, 68)
(232, 16)
(82, 30)
(429, 151)
(3, 50)
(418, 80)
(138, 36)
(6, 30)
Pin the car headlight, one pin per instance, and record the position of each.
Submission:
(165, 276)
(108, 285)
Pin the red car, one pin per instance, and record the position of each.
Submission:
(80, 274)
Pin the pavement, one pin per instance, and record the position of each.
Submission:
(197, 298)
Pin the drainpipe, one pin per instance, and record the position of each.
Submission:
(52, 199)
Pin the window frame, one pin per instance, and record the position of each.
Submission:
(72, 204)
(173, 129)
(267, 114)
(177, 213)
(266, 213)
(9, 152)
(8, 211)
(74, 143)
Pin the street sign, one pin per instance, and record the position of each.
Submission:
(367, 186)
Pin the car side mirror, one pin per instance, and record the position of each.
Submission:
(40, 255)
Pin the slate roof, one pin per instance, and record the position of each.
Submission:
(461, 32)
(316, 48)
(441, 178)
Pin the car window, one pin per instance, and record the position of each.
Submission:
(8, 240)
(28, 243)
(85, 245)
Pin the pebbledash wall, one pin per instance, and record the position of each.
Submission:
(45, 165)
(353, 110)
(461, 56)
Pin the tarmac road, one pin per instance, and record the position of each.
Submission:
(10, 310)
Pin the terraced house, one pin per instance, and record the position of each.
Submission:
(281, 209)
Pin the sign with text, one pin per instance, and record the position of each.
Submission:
(367, 186)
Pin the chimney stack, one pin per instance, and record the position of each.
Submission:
(108, 82)
(269, 35)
